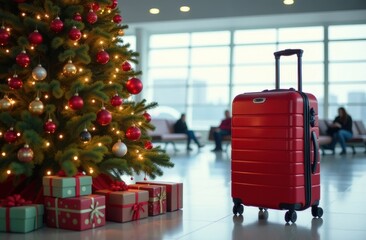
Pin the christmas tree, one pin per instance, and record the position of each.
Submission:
(66, 93)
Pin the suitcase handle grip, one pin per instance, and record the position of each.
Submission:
(316, 152)
(289, 52)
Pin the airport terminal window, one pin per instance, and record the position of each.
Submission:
(198, 75)
(347, 69)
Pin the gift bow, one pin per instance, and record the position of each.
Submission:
(119, 186)
(161, 198)
(95, 210)
(15, 201)
(136, 208)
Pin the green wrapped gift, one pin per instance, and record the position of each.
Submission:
(21, 219)
(66, 187)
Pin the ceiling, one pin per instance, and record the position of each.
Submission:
(137, 11)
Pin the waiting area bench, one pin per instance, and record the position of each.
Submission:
(164, 132)
(358, 139)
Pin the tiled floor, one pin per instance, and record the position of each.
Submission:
(207, 212)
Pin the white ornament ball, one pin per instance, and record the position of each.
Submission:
(39, 73)
(119, 149)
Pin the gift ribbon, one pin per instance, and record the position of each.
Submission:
(62, 174)
(118, 186)
(16, 201)
(94, 210)
(160, 197)
(136, 207)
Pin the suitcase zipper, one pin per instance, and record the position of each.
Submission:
(307, 150)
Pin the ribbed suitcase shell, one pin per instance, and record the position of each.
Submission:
(268, 164)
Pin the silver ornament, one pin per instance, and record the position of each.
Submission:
(39, 73)
(119, 149)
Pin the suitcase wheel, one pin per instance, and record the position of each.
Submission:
(290, 216)
(263, 214)
(238, 208)
(316, 211)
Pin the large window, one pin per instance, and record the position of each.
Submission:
(200, 73)
(254, 68)
(189, 72)
(347, 69)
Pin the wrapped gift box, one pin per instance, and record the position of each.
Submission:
(21, 219)
(174, 193)
(65, 187)
(157, 197)
(78, 213)
(125, 206)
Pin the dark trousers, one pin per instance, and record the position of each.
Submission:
(191, 136)
(218, 137)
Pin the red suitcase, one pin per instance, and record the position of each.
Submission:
(275, 153)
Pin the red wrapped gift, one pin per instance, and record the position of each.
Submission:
(125, 206)
(174, 193)
(78, 213)
(157, 197)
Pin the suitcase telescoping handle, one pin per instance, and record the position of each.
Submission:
(289, 52)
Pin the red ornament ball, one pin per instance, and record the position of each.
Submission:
(75, 34)
(91, 17)
(116, 100)
(126, 66)
(134, 85)
(25, 154)
(35, 38)
(148, 145)
(104, 117)
(22, 59)
(10, 136)
(147, 116)
(4, 36)
(117, 18)
(49, 126)
(77, 17)
(95, 6)
(102, 57)
(114, 4)
(15, 82)
(76, 102)
(133, 133)
(57, 25)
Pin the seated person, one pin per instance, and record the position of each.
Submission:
(340, 130)
(223, 130)
(181, 127)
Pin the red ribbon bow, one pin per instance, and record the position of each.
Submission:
(136, 208)
(15, 201)
(119, 186)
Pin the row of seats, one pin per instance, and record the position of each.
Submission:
(358, 139)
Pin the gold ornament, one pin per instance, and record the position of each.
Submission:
(39, 73)
(36, 106)
(5, 103)
(119, 149)
(25, 154)
(69, 69)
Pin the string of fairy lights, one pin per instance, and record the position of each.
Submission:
(75, 103)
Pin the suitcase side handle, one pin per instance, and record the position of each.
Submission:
(289, 52)
(316, 152)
